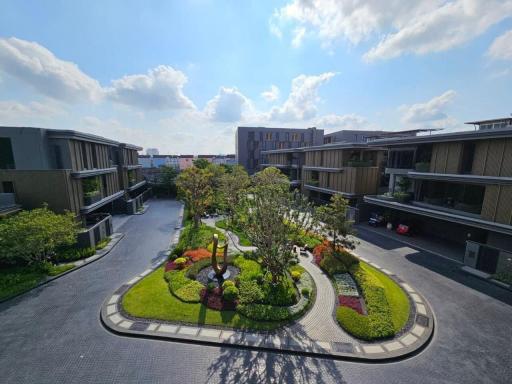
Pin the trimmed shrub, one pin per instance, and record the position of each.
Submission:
(230, 293)
(190, 293)
(283, 293)
(296, 275)
(250, 292)
(305, 291)
(197, 254)
(249, 269)
(331, 264)
(264, 312)
(210, 287)
(180, 262)
(347, 258)
(228, 283)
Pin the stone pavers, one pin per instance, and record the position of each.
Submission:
(316, 333)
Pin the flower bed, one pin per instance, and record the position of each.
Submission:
(345, 285)
(353, 302)
(213, 299)
(197, 254)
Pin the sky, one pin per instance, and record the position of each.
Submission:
(180, 76)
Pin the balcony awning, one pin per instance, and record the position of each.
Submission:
(89, 208)
(472, 179)
(441, 215)
(328, 190)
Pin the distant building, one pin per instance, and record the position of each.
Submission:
(224, 159)
(157, 161)
(251, 141)
(185, 161)
(152, 151)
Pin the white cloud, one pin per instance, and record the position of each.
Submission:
(302, 100)
(16, 113)
(161, 88)
(35, 65)
(229, 105)
(272, 94)
(401, 27)
(501, 47)
(339, 122)
(299, 34)
(431, 113)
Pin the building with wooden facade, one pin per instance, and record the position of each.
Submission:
(88, 175)
(458, 186)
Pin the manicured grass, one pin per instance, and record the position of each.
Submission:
(55, 270)
(387, 306)
(150, 298)
(16, 280)
(192, 238)
(242, 237)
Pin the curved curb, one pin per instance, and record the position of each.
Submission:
(115, 238)
(407, 344)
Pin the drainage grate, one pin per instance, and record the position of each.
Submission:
(139, 326)
(422, 320)
(342, 347)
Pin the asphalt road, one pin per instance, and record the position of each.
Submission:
(54, 335)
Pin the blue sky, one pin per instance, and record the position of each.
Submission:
(180, 76)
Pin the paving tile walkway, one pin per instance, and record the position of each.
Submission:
(319, 322)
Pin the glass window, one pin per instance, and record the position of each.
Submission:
(6, 155)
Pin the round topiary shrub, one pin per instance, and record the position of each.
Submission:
(230, 293)
(305, 291)
(228, 283)
(210, 287)
(296, 275)
(180, 262)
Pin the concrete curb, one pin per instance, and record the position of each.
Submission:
(115, 238)
(411, 342)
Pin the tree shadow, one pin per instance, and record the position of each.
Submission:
(240, 365)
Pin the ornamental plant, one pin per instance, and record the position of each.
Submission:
(228, 283)
(32, 237)
(230, 293)
(180, 262)
(295, 275)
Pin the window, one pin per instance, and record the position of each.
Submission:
(57, 157)
(84, 155)
(468, 153)
(268, 136)
(94, 156)
(7, 187)
(295, 137)
(6, 155)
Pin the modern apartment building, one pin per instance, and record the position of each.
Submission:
(349, 169)
(458, 186)
(251, 141)
(88, 175)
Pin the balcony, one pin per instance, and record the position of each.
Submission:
(92, 172)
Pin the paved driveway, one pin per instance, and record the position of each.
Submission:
(53, 335)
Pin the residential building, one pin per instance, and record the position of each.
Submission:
(224, 159)
(357, 136)
(157, 161)
(88, 175)
(185, 161)
(456, 187)
(349, 169)
(251, 141)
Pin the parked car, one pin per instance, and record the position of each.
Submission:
(376, 220)
(406, 229)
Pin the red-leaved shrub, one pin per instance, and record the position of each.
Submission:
(214, 300)
(351, 302)
(171, 265)
(197, 254)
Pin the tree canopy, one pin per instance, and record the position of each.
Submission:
(195, 188)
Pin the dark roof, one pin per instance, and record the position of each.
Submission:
(499, 120)
(440, 137)
(187, 156)
(324, 147)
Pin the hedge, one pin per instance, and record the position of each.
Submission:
(386, 303)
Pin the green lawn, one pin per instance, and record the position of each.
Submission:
(244, 241)
(192, 238)
(16, 280)
(386, 303)
(150, 298)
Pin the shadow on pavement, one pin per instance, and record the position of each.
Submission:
(236, 365)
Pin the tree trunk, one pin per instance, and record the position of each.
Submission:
(197, 220)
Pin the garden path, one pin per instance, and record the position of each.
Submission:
(233, 241)
(319, 323)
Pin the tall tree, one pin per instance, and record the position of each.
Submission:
(201, 163)
(168, 179)
(273, 217)
(194, 187)
(271, 176)
(232, 188)
(333, 218)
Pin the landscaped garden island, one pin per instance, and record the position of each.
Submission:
(208, 282)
